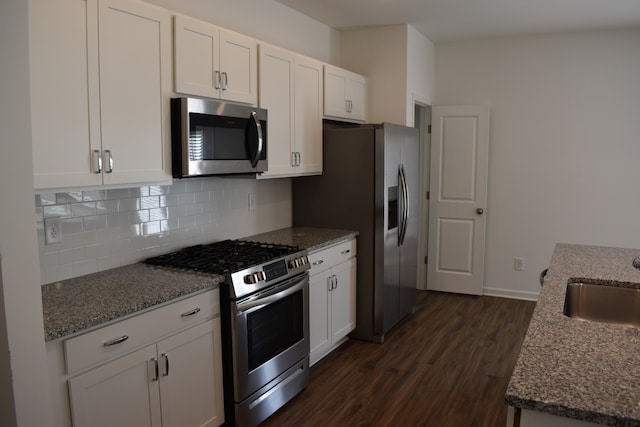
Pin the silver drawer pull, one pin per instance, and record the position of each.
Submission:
(320, 261)
(346, 251)
(116, 341)
(191, 313)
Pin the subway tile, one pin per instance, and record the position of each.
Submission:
(158, 190)
(129, 204)
(95, 222)
(186, 198)
(168, 200)
(158, 214)
(58, 273)
(117, 219)
(202, 196)
(106, 206)
(149, 202)
(179, 186)
(136, 217)
(152, 227)
(94, 195)
(45, 199)
(70, 197)
(83, 209)
(108, 262)
(170, 224)
(84, 267)
(69, 256)
(194, 185)
(57, 211)
(70, 226)
(118, 193)
(95, 251)
(131, 230)
(139, 192)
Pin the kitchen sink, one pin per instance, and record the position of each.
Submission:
(601, 303)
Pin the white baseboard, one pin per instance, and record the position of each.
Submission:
(510, 293)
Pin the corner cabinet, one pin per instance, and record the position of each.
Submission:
(214, 62)
(345, 94)
(332, 298)
(101, 84)
(160, 368)
(291, 89)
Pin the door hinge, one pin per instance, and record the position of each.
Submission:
(429, 129)
(426, 259)
(428, 195)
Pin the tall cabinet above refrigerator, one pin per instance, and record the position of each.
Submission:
(370, 184)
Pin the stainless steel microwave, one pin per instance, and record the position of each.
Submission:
(211, 137)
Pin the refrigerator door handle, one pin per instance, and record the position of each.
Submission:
(402, 231)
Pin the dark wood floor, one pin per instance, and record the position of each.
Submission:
(448, 364)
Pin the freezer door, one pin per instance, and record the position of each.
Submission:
(409, 160)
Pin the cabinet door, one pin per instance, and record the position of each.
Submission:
(120, 393)
(135, 78)
(319, 326)
(196, 57)
(343, 300)
(238, 67)
(308, 115)
(356, 94)
(344, 94)
(277, 96)
(191, 377)
(59, 94)
(335, 92)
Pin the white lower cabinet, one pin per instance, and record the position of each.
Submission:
(529, 418)
(332, 298)
(173, 381)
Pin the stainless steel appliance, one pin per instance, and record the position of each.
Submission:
(370, 184)
(211, 137)
(265, 322)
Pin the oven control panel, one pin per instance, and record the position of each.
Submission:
(276, 270)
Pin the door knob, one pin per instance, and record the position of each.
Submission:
(479, 211)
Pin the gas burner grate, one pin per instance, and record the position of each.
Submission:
(227, 256)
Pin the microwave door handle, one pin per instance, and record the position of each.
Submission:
(260, 149)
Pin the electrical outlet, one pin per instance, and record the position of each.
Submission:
(252, 202)
(518, 264)
(52, 231)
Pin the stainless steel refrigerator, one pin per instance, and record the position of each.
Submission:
(370, 184)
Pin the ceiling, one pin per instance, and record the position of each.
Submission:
(447, 20)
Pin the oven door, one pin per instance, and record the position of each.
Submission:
(271, 334)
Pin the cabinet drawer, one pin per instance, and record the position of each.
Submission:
(107, 342)
(333, 255)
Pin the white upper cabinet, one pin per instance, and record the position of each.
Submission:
(291, 89)
(101, 82)
(214, 62)
(345, 94)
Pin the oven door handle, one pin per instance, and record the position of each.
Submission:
(271, 298)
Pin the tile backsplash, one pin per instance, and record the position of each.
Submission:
(103, 229)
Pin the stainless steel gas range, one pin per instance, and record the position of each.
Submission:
(265, 322)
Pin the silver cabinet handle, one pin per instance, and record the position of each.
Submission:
(333, 282)
(191, 312)
(109, 161)
(97, 162)
(318, 262)
(153, 369)
(166, 364)
(293, 158)
(346, 251)
(217, 82)
(225, 80)
(116, 341)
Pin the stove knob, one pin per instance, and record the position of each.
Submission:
(261, 276)
(250, 279)
(305, 260)
(293, 263)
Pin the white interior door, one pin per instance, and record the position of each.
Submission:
(458, 206)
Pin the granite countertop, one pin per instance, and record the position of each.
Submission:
(580, 369)
(75, 305)
(308, 238)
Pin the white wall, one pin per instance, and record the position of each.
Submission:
(266, 20)
(379, 54)
(398, 62)
(24, 345)
(564, 143)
